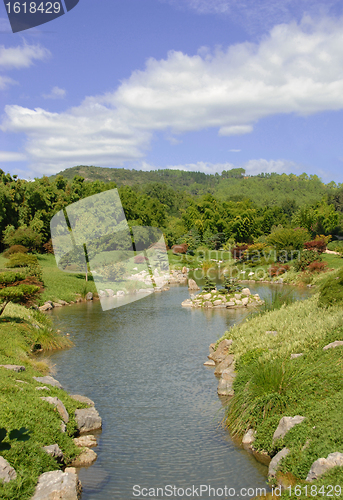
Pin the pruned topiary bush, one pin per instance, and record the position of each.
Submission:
(15, 249)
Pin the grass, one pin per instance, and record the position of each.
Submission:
(270, 385)
(26, 422)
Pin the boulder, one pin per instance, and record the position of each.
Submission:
(248, 439)
(60, 407)
(192, 285)
(120, 293)
(109, 292)
(14, 368)
(55, 451)
(186, 303)
(337, 343)
(275, 461)
(89, 296)
(46, 307)
(227, 361)
(286, 424)
(57, 304)
(230, 303)
(245, 301)
(62, 302)
(102, 293)
(206, 296)
(57, 485)
(324, 464)
(210, 362)
(63, 427)
(225, 387)
(7, 473)
(212, 347)
(49, 381)
(86, 441)
(238, 302)
(82, 399)
(217, 302)
(87, 420)
(221, 352)
(246, 291)
(86, 458)
(207, 303)
(294, 356)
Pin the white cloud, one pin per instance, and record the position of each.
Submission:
(21, 56)
(56, 93)
(297, 69)
(5, 82)
(7, 156)
(253, 167)
(235, 150)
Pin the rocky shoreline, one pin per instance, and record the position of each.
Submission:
(214, 299)
(63, 483)
(222, 360)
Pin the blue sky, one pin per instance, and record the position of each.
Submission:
(204, 85)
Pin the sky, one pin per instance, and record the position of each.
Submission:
(200, 85)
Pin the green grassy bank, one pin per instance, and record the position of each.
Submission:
(270, 385)
(26, 422)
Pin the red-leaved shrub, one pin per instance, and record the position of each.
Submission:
(317, 266)
(318, 245)
(140, 258)
(278, 269)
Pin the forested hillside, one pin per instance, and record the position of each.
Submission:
(189, 207)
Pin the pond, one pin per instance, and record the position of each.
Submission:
(142, 364)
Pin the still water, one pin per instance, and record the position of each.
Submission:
(142, 364)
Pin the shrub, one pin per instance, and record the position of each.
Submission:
(29, 261)
(239, 251)
(14, 249)
(48, 247)
(230, 286)
(11, 277)
(287, 240)
(22, 236)
(140, 259)
(317, 245)
(113, 272)
(317, 266)
(306, 258)
(278, 269)
(209, 285)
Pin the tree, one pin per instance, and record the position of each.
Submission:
(25, 236)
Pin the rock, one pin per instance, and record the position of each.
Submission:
(48, 380)
(207, 303)
(217, 302)
(286, 424)
(275, 461)
(225, 387)
(60, 407)
(238, 296)
(88, 420)
(229, 373)
(82, 399)
(22, 381)
(86, 441)
(120, 293)
(246, 291)
(14, 368)
(238, 302)
(57, 304)
(70, 469)
(212, 347)
(63, 427)
(55, 451)
(230, 303)
(337, 343)
(87, 457)
(46, 307)
(57, 485)
(62, 302)
(109, 292)
(192, 285)
(210, 362)
(221, 352)
(102, 293)
(324, 464)
(7, 473)
(43, 388)
(248, 439)
(184, 270)
(294, 356)
(186, 303)
(272, 332)
(245, 301)
(206, 296)
(89, 296)
(224, 364)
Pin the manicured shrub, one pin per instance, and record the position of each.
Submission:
(306, 258)
(317, 266)
(209, 285)
(11, 277)
(316, 245)
(230, 286)
(14, 249)
(21, 260)
(48, 247)
(278, 269)
(140, 259)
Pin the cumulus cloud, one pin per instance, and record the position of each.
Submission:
(295, 69)
(253, 167)
(7, 156)
(21, 56)
(56, 93)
